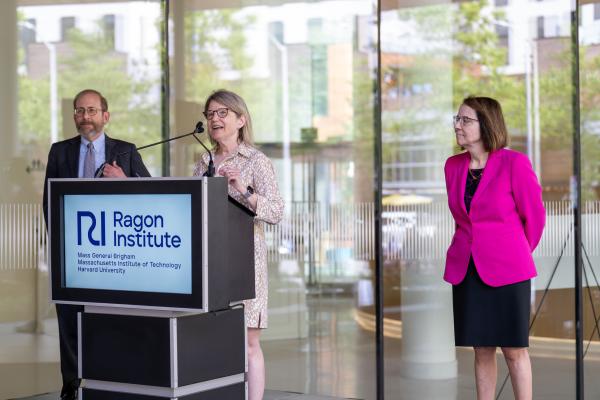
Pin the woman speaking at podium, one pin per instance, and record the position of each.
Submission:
(252, 182)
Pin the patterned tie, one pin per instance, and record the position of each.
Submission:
(89, 164)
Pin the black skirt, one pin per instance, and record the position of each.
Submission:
(490, 316)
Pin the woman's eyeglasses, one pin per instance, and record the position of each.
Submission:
(464, 120)
(221, 113)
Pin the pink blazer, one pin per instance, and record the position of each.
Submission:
(505, 222)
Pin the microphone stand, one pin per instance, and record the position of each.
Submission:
(199, 129)
(210, 171)
(161, 142)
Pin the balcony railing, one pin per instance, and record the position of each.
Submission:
(22, 237)
(325, 235)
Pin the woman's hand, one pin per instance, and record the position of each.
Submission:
(233, 177)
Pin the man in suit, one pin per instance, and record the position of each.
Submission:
(82, 157)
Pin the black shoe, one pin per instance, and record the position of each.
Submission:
(69, 395)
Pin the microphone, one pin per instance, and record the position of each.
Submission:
(210, 171)
(199, 129)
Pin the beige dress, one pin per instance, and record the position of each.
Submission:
(256, 170)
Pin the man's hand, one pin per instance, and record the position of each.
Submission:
(113, 171)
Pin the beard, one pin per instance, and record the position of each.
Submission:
(89, 129)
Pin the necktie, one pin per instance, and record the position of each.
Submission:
(89, 163)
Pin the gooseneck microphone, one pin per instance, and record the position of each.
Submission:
(210, 171)
(199, 129)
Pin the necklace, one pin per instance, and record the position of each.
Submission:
(475, 177)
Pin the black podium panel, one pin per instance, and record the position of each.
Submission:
(241, 235)
(167, 352)
(211, 346)
(232, 392)
(133, 349)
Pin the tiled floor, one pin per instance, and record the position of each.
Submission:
(269, 395)
(337, 359)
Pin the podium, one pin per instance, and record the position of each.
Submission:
(161, 266)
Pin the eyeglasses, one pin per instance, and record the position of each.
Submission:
(464, 120)
(221, 113)
(91, 111)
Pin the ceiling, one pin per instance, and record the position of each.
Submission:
(210, 4)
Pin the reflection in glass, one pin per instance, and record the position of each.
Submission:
(50, 53)
(432, 57)
(306, 71)
(589, 62)
(65, 49)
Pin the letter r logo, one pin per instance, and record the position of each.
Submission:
(92, 217)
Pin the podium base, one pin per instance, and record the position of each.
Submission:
(186, 357)
(236, 391)
(269, 395)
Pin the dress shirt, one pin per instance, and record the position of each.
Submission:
(99, 151)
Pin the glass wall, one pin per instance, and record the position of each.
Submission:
(589, 62)
(520, 53)
(51, 51)
(418, 100)
(60, 50)
(307, 72)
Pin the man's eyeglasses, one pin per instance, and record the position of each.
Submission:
(91, 111)
(463, 119)
(221, 113)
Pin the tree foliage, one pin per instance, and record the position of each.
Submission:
(216, 56)
(464, 38)
(479, 60)
(89, 60)
(93, 63)
(33, 100)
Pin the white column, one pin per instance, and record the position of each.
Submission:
(177, 76)
(285, 110)
(428, 350)
(8, 78)
(185, 113)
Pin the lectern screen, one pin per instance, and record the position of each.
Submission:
(139, 242)
(130, 242)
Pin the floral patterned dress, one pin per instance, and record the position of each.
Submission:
(256, 170)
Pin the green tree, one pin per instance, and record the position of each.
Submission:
(216, 42)
(589, 96)
(477, 70)
(93, 63)
(33, 100)
(363, 128)
(478, 62)
(88, 60)
(33, 106)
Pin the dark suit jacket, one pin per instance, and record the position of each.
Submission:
(63, 161)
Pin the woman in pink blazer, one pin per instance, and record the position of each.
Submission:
(496, 201)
